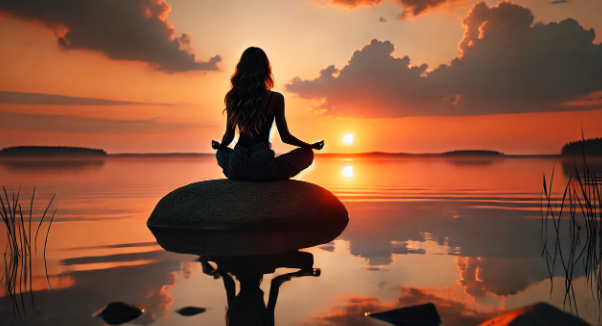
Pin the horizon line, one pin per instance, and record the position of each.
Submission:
(450, 153)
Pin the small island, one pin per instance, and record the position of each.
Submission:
(589, 147)
(50, 151)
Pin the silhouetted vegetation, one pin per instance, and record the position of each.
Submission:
(18, 255)
(50, 151)
(582, 202)
(589, 147)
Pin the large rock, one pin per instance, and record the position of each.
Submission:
(242, 205)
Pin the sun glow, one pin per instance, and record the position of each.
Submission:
(348, 171)
(348, 139)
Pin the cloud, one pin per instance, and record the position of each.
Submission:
(356, 3)
(65, 123)
(51, 99)
(508, 65)
(559, 1)
(453, 311)
(497, 276)
(135, 30)
(411, 8)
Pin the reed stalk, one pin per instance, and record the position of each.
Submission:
(578, 213)
(17, 279)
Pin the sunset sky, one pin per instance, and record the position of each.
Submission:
(412, 76)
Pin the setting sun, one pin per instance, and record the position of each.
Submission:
(348, 139)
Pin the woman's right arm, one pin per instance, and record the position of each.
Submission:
(282, 126)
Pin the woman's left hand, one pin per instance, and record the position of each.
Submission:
(214, 144)
(319, 145)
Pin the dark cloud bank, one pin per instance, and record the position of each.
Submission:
(51, 99)
(411, 8)
(120, 29)
(508, 65)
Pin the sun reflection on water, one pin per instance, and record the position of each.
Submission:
(348, 171)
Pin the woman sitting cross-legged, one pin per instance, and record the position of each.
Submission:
(253, 107)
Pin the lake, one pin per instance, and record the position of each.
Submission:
(462, 233)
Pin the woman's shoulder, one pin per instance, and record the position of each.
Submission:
(277, 96)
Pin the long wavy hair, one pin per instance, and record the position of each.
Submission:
(250, 84)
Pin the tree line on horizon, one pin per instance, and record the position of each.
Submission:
(51, 151)
(589, 147)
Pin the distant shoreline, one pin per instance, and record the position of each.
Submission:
(365, 154)
(61, 152)
(485, 154)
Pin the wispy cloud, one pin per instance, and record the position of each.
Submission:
(65, 123)
(411, 8)
(51, 99)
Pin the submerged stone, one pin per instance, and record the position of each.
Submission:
(117, 313)
(191, 311)
(539, 314)
(242, 205)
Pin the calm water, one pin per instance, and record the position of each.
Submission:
(464, 234)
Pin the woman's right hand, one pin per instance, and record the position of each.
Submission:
(214, 144)
(319, 145)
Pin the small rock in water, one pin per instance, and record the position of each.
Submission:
(539, 314)
(191, 311)
(425, 314)
(117, 313)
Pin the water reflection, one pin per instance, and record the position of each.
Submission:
(466, 237)
(570, 165)
(348, 171)
(51, 166)
(470, 162)
(248, 306)
(248, 256)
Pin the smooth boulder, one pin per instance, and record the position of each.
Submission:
(228, 205)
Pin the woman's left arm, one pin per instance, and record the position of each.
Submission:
(227, 138)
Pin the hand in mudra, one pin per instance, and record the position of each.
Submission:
(319, 145)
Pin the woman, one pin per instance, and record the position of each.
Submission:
(252, 107)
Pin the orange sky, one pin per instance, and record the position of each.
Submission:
(181, 111)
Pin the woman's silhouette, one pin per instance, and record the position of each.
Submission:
(252, 107)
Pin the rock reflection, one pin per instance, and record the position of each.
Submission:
(249, 255)
(248, 306)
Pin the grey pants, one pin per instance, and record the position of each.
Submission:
(259, 163)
